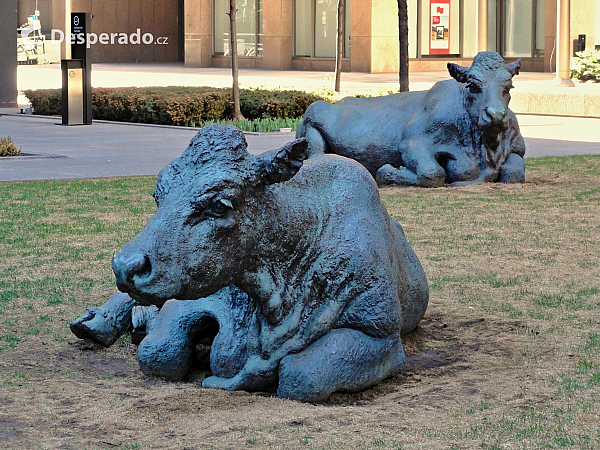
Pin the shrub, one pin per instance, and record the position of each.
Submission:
(8, 148)
(180, 105)
(586, 66)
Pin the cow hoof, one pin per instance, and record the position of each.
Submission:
(94, 325)
(106, 323)
(229, 384)
(388, 175)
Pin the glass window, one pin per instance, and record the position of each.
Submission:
(518, 24)
(540, 27)
(249, 27)
(316, 28)
(325, 28)
(303, 27)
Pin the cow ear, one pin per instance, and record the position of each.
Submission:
(459, 73)
(285, 162)
(514, 68)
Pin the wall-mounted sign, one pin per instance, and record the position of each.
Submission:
(439, 42)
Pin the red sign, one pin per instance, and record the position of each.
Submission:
(439, 42)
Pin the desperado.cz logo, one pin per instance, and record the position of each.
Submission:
(90, 39)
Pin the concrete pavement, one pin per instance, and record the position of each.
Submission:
(110, 149)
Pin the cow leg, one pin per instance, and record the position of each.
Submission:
(420, 158)
(421, 168)
(222, 321)
(106, 323)
(342, 360)
(316, 142)
(513, 170)
(458, 166)
(169, 345)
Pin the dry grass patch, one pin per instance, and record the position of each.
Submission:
(508, 355)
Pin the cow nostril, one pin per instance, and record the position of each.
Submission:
(138, 265)
(126, 268)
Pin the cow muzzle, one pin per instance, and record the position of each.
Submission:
(494, 120)
(131, 271)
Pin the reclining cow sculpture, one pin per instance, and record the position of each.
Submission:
(310, 281)
(460, 131)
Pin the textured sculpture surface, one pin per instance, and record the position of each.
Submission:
(304, 283)
(460, 131)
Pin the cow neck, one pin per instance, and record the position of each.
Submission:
(286, 248)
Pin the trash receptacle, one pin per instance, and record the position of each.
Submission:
(581, 43)
(72, 92)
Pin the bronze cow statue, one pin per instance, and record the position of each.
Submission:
(310, 280)
(460, 131)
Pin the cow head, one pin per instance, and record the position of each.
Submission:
(208, 220)
(488, 81)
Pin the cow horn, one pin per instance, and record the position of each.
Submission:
(459, 73)
(514, 68)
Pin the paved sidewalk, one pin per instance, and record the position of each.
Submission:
(99, 150)
(534, 93)
(109, 149)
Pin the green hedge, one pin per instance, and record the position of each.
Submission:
(179, 105)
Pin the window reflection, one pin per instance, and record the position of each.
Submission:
(249, 28)
(316, 28)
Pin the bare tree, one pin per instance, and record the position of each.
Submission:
(339, 50)
(403, 38)
(237, 113)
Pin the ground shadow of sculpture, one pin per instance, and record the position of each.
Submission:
(304, 282)
(460, 131)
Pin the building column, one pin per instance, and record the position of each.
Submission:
(563, 45)
(198, 34)
(374, 46)
(482, 25)
(8, 55)
(65, 48)
(278, 40)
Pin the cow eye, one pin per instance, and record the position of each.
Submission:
(220, 207)
(474, 88)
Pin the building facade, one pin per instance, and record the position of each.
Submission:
(301, 34)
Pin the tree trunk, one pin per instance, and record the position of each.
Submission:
(403, 37)
(237, 113)
(339, 50)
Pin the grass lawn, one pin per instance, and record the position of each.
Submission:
(508, 355)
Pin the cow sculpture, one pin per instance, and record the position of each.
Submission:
(291, 267)
(460, 131)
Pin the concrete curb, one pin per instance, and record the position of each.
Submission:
(111, 122)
